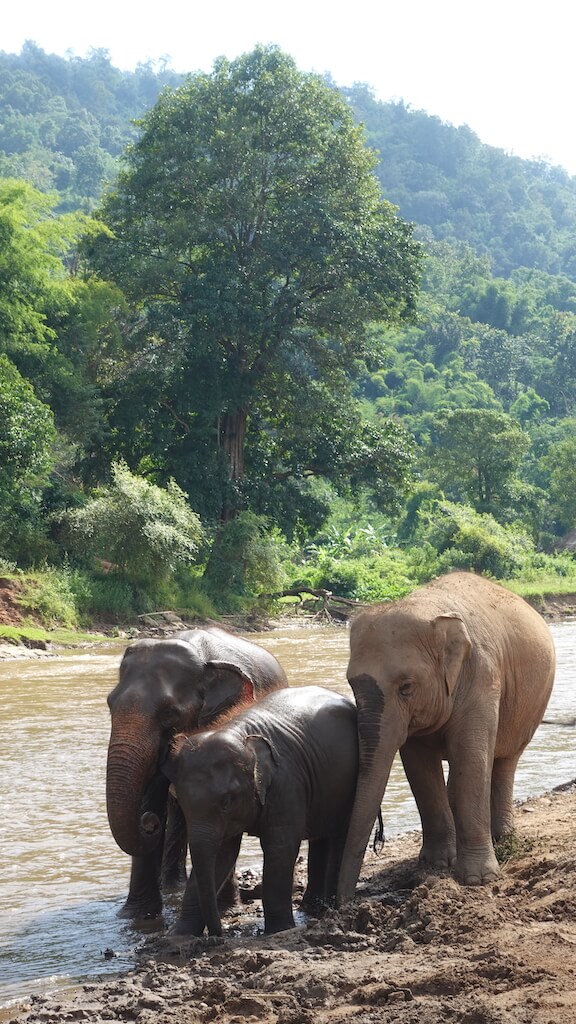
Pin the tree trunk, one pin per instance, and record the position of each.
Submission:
(232, 435)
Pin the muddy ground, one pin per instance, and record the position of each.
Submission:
(413, 948)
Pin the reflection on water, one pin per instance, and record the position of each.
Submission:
(62, 876)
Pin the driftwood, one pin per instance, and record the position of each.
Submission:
(332, 608)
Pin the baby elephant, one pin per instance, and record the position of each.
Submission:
(284, 770)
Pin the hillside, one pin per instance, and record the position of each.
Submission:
(447, 440)
(520, 213)
(64, 123)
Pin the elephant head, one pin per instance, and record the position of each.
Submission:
(166, 687)
(221, 783)
(404, 672)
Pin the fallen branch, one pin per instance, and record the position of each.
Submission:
(334, 608)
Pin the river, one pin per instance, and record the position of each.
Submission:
(63, 878)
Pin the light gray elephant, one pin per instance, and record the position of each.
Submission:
(461, 670)
(168, 686)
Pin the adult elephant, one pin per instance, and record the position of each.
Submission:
(168, 686)
(283, 769)
(461, 670)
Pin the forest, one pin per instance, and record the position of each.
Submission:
(261, 334)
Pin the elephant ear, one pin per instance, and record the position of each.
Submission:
(264, 764)
(226, 686)
(454, 645)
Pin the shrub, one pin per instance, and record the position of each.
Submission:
(143, 530)
(247, 558)
(466, 539)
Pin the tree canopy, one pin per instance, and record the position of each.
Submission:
(249, 227)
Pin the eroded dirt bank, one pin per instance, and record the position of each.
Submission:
(414, 948)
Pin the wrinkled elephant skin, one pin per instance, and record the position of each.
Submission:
(284, 770)
(461, 670)
(168, 686)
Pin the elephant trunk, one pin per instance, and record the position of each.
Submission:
(379, 742)
(204, 853)
(132, 760)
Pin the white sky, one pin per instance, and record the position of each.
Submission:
(506, 68)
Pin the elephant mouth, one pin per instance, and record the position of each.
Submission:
(150, 825)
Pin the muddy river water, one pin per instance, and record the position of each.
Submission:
(62, 878)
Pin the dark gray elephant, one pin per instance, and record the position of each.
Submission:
(461, 670)
(165, 687)
(283, 769)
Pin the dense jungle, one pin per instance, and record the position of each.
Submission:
(262, 336)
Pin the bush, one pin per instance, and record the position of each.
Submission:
(386, 575)
(145, 532)
(475, 541)
(51, 595)
(247, 559)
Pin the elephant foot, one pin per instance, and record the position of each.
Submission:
(316, 906)
(229, 894)
(278, 923)
(184, 927)
(133, 910)
(477, 869)
(174, 879)
(438, 855)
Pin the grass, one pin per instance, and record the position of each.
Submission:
(546, 586)
(512, 846)
(38, 634)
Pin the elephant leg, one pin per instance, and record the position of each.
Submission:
(191, 920)
(226, 881)
(422, 762)
(313, 900)
(175, 847)
(229, 894)
(144, 899)
(501, 796)
(471, 757)
(280, 852)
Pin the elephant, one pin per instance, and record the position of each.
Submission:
(461, 670)
(166, 686)
(283, 769)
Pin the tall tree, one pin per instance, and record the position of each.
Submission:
(475, 454)
(249, 226)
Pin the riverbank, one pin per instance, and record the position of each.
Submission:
(552, 607)
(413, 948)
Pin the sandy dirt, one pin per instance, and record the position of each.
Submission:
(413, 948)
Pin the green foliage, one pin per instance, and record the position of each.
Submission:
(475, 454)
(262, 270)
(27, 438)
(51, 596)
(559, 466)
(247, 559)
(26, 428)
(466, 539)
(105, 597)
(249, 228)
(512, 846)
(384, 577)
(520, 213)
(64, 123)
(145, 532)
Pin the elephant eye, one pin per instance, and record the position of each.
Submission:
(168, 716)
(406, 688)
(226, 802)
